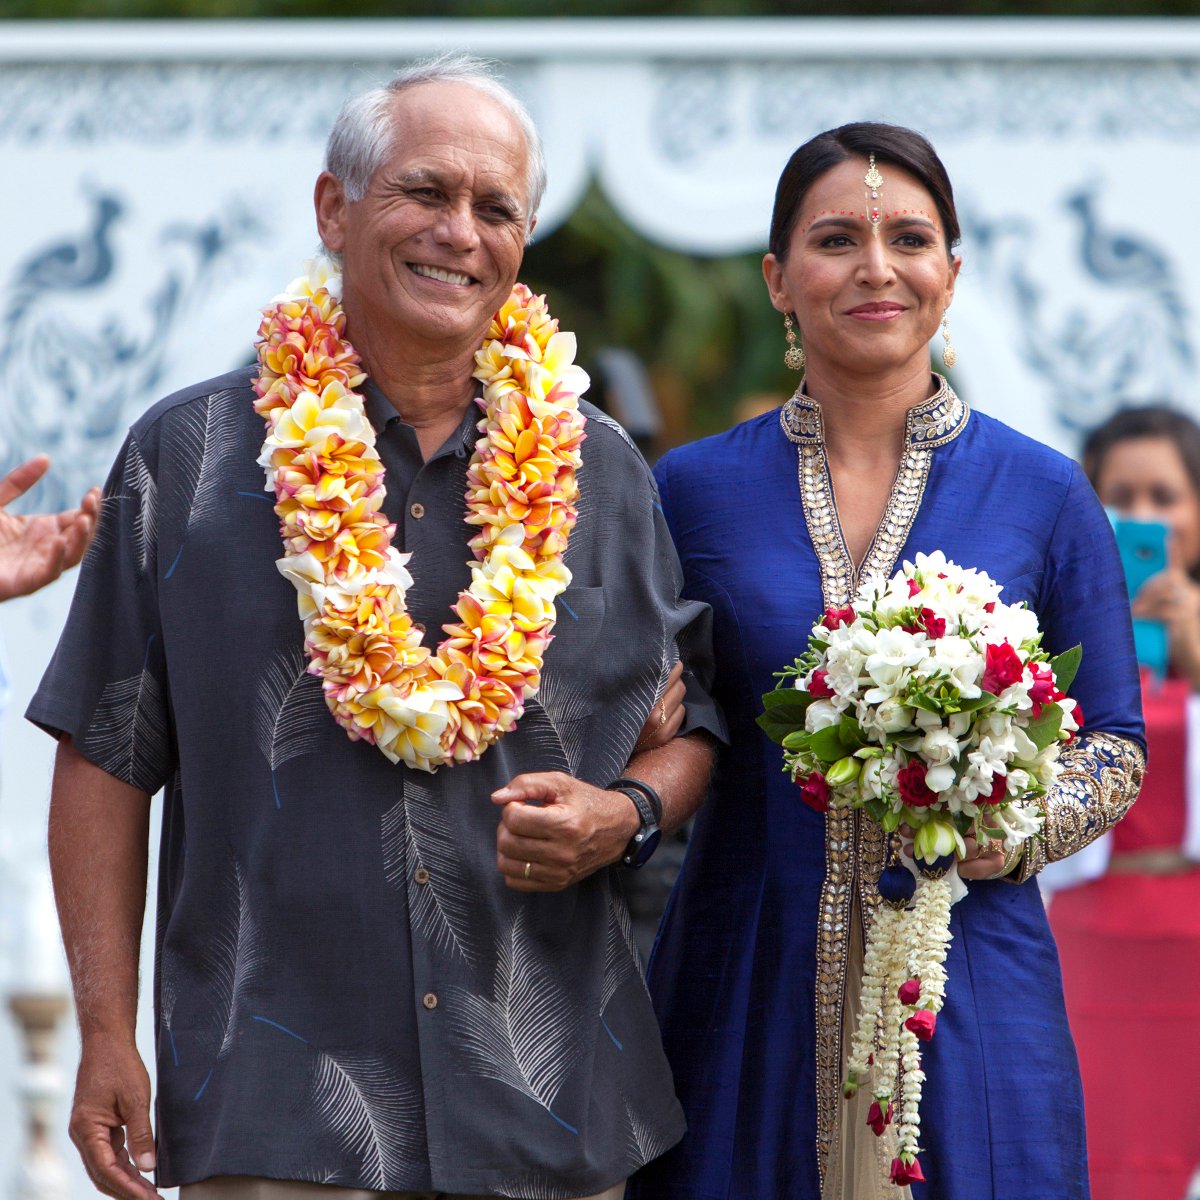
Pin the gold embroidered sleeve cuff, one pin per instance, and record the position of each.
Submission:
(1101, 777)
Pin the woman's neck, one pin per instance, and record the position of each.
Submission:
(864, 416)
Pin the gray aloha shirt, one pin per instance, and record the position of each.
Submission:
(345, 989)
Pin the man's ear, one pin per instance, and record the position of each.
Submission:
(329, 200)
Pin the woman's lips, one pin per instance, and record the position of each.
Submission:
(876, 312)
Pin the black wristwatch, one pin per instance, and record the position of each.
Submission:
(649, 806)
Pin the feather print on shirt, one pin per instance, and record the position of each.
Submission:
(533, 1035)
(622, 962)
(127, 735)
(417, 832)
(290, 714)
(199, 438)
(374, 1113)
(234, 957)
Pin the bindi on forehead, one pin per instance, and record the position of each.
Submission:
(849, 217)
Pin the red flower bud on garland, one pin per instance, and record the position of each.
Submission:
(922, 1023)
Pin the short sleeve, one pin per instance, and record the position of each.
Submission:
(106, 684)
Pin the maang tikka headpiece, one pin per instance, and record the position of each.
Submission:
(874, 181)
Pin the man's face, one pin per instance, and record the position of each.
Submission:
(433, 248)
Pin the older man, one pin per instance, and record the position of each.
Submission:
(369, 976)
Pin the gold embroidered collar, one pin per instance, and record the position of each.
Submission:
(934, 422)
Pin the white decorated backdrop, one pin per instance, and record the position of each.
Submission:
(157, 184)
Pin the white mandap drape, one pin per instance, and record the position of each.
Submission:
(157, 184)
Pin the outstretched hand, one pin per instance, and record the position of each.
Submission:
(34, 551)
(555, 830)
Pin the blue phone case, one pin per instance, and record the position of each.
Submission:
(1143, 549)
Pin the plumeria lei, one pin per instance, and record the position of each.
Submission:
(425, 708)
(926, 702)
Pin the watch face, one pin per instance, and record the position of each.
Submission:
(646, 847)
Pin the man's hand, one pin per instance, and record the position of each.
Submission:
(555, 830)
(110, 1118)
(34, 551)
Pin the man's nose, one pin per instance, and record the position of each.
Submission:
(458, 228)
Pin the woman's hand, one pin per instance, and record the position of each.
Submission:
(980, 863)
(666, 716)
(1173, 598)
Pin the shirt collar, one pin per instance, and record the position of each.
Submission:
(381, 413)
(933, 422)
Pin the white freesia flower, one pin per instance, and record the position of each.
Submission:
(888, 717)
(939, 746)
(820, 715)
(895, 653)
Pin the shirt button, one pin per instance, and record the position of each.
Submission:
(417, 510)
(420, 875)
(430, 1000)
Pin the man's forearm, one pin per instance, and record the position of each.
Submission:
(99, 829)
(679, 772)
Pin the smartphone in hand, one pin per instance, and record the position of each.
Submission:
(1143, 549)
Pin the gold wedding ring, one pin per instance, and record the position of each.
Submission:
(528, 868)
(662, 714)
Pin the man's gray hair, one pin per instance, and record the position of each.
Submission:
(362, 136)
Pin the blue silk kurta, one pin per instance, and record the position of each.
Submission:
(735, 970)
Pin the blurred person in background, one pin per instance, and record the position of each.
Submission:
(1129, 937)
(873, 460)
(36, 550)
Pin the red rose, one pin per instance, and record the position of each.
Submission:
(914, 791)
(818, 685)
(913, 588)
(906, 1172)
(934, 626)
(835, 618)
(990, 606)
(999, 792)
(910, 991)
(922, 1023)
(1078, 714)
(1043, 690)
(814, 791)
(1003, 668)
(879, 1120)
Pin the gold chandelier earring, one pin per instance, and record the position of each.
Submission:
(949, 354)
(793, 356)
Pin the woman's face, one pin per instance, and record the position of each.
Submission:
(867, 297)
(1145, 478)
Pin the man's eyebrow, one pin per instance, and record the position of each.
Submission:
(422, 175)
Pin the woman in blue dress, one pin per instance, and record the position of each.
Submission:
(870, 462)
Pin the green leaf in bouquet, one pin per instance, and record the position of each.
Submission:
(976, 702)
(922, 700)
(785, 709)
(1043, 729)
(1065, 666)
(826, 744)
(851, 734)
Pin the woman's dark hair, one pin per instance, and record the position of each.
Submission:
(1153, 421)
(889, 143)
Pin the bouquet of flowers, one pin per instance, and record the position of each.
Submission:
(928, 703)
